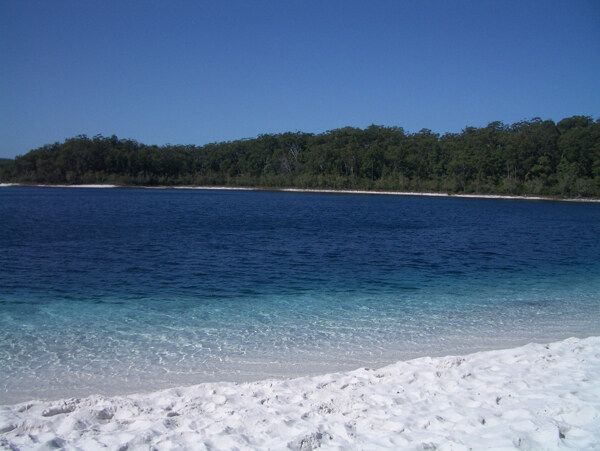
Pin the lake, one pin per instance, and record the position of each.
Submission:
(114, 291)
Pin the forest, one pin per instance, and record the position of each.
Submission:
(531, 157)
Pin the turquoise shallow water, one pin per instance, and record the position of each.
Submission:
(123, 290)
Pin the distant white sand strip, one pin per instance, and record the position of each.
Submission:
(330, 191)
(93, 186)
(349, 191)
(77, 186)
(231, 188)
(426, 194)
(535, 397)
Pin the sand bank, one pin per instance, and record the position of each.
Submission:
(80, 186)
(331, 191)
(426, 194)
(531, 397)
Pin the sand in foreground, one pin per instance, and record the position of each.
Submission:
(532, 397)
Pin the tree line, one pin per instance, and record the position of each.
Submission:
(529, 157)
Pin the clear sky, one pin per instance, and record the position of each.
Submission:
(193, 72)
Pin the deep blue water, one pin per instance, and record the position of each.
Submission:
(121, 290)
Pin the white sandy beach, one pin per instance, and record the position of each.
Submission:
(333, 191)
(532, 398)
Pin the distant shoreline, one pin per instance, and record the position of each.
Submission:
(326, 191)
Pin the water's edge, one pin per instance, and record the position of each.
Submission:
(330, 191)
(268, 381)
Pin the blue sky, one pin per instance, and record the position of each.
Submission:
(193, 72)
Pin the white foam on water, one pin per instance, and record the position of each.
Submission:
(530, 397)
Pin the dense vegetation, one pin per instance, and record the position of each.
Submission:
(528, 157)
